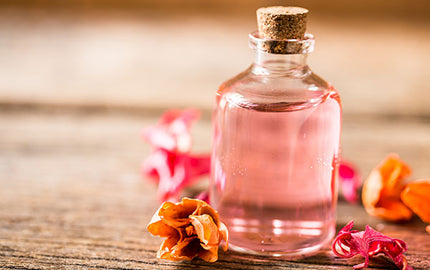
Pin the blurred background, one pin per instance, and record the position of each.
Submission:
(80, 78)
(144, 54)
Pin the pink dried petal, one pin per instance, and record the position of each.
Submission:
(172, 133)
(369, 243)
(350, 181)
(171, 165)
(174, 171)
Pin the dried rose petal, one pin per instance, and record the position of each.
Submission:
(416, 195)
(381, 190)
(369, 243)
(172, 133)
(350, 181)
(192, 228)
(174, 171)
(171, 165)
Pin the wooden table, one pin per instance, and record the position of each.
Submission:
(71, 195)
(78, 81)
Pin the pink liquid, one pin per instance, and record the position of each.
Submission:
(274, 172)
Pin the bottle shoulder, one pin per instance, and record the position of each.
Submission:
(302, 89)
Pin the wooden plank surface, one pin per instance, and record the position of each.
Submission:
(71, 196)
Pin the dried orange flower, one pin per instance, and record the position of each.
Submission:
(416, 195)
(192, 228)
(381, 190)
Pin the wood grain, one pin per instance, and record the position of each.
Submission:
(71, 196)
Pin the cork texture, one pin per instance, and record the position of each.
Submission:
(282, 22)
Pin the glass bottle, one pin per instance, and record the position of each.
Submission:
(276, 133)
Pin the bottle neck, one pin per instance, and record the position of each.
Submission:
(288, 56)
(269, 63)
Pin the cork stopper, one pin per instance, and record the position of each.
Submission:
(279, 22)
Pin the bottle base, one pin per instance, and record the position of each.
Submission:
(282, 251)
(291, 254)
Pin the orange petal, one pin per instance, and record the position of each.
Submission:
(393, 171)
(224, 235)
(391, 210)
(187, 249)
(428, 228)
(208, 210)
(416, 196)
(158, 227)
(165, 251)
(372, 188)
(210, 254)
(176, 215)
(381, 190)
(206, 230)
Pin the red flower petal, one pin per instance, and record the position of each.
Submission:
(171, 165)
(369, 243)
(172, 133)
(350, 181)
(174, 171)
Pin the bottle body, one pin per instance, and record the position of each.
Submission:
(276, 133)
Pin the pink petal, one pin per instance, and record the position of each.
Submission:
(369, 243)
(350, 181)
(172, 133)
(171, 165)
(150, 167)
(174, 171)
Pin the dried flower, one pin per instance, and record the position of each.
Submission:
(369, 243)
(416, 195)
(381, 190)
(171, 165)
(350, 181)
(192, 228)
